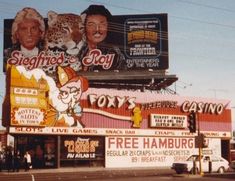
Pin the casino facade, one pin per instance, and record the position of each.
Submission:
(118, 128)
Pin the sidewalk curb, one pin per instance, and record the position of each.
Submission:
(149, 170)
(187, 175)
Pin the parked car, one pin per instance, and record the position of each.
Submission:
(208, 162)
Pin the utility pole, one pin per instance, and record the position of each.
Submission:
(217, 90)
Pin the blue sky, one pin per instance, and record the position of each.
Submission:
(201, 38)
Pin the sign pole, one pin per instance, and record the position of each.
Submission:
(200, 144)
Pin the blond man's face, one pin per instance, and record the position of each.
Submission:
(29, 33)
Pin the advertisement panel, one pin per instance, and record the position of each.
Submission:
(80, 148)
(91, 41)
(153, 151)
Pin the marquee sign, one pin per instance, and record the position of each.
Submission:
(168, 121)
(115, 132)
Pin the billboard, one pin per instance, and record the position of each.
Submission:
(86, 44)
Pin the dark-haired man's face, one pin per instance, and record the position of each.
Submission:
(96, 29)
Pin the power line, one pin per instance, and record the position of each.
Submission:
(207, 6)
(217, 90)
(177, 17)
(118, 6)
(205, 22)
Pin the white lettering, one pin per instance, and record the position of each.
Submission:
(202, 107)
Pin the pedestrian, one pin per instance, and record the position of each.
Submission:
(1, 160)
(27, 159)
(16, 161)
(9, 160)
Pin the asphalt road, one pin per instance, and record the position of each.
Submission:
(108, 175)
(81, 174)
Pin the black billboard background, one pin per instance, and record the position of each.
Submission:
(124, 26)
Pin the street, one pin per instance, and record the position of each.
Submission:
(109, 175)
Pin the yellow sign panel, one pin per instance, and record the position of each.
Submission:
(29, 100)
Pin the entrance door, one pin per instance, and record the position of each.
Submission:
(225, 149)
(41, 148)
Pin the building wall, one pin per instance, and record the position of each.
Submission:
(3, 139)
